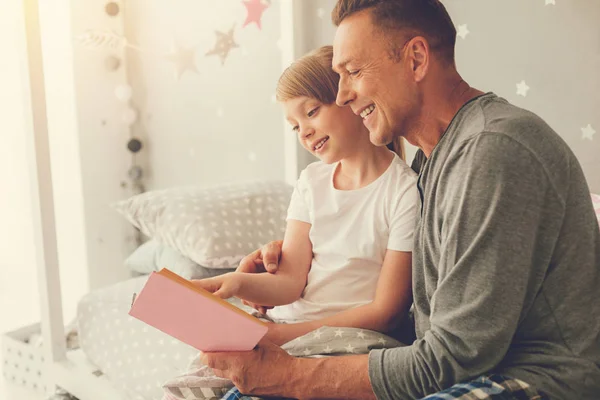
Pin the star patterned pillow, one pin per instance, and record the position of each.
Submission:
(215, 226)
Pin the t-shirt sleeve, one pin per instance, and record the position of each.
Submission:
(298, 209)
(402, 220)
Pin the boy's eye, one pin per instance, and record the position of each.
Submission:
(296, 128)
(313, 111)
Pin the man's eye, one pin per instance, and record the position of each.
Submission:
(313, 111)
(353, 73)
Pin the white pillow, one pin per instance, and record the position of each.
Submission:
(153, 256)
(215, 226)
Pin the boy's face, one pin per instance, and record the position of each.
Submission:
(329, 132)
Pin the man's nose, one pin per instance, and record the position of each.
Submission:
(345, 94)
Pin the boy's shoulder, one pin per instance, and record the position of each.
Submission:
(402, 173)
(317, 172)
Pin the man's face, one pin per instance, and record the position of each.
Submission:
(378, 88)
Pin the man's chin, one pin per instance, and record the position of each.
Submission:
(378, 139)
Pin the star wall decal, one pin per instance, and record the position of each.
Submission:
(224, 44)
(183, 58)
(463, 31)
(522, 89)
(588, 132)
(255, 9)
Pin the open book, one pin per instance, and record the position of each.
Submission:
(195, 316)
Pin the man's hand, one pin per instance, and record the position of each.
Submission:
(277, 334)
(265, 259)
(223, 286)
(267, 370)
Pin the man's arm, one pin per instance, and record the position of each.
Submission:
(270, 371)
(493, 198)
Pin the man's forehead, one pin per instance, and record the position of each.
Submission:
(343, 45)
(351, 37)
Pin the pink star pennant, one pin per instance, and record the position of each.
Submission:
(255, 9)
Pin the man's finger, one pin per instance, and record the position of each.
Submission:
(216, 360)
(220, 373)
(266, 345)
(248, 263)
(271, 254)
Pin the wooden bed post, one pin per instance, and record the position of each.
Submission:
(42, 194)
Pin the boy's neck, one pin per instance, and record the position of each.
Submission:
(365, 167)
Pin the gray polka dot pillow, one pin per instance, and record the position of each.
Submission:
(214, 226)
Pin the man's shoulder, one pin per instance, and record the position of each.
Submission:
(503, 117)
(497, 116)
(498, 130)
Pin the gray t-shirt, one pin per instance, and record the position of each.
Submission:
(506, 263)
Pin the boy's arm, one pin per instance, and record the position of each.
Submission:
(281, 288)
(392, 301)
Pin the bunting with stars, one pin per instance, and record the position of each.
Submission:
(225, 42)
(184, 60)
(255, 9)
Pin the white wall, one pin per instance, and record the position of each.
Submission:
(88, 232)
(100, 146)
(18, 282)
(554, 48)
(216, 124)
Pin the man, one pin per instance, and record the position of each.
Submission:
(506, 262)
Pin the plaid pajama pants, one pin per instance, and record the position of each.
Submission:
(492, 387)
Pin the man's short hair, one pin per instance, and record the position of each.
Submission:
(427, 18)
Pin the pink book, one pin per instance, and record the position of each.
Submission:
(195, 316)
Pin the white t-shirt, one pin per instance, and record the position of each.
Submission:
(350, 233)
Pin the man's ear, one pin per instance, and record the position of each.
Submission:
(419, 56)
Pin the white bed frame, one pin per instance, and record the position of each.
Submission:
(70, 370)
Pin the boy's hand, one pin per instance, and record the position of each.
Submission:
(265, 259)
(223, 286)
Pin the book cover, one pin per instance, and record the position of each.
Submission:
(195, 316)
